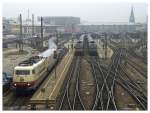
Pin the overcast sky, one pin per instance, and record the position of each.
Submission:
(99, 12)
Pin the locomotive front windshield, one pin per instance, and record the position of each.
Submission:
(22, 72)
(91, 41)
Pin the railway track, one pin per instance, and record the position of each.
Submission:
(99, 80)
(137, 67)
(135, 90)
(105, 82)
(141, 99)
(127, 78)
(132, 52)
(71, 99)
(6, 92)
(17, 102)
(123, 69)
(21, 103)
(65, 103)
(102, 94)
(77, 103)
(110, 78)
(131, 87)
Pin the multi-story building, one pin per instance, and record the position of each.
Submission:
(60, 20)
(69, 23)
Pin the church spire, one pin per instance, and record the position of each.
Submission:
(132, 19)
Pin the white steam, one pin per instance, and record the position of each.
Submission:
(51, 48)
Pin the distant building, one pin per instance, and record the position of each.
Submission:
(10, 26)
(132, 19)
(6, 26)
(68, 22)
(115, 28)
(60, 20)
(141, 27)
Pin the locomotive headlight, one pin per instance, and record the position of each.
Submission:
(14, 84)
(28, 84)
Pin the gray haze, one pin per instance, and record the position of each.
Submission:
(93, 12)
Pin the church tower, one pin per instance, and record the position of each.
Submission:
(132, 19)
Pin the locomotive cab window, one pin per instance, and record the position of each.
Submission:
(55, 55)
(22, 72)
(33, 71)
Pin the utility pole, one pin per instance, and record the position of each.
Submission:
(32, 25)
(20, 38)
(126, 47)
(72, 41)
(57, 36)
(41, 32)
(72, 36)
(32, 44)
(105, 46)
(28, 15)
(28, 26)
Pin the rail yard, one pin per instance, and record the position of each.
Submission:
(68, 56)
(88, 76)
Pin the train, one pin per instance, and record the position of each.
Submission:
(85, 42)
(79, 49)
(29, 74)
(92, 47)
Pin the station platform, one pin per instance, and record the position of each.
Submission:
(101, 51)
(48, 92)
